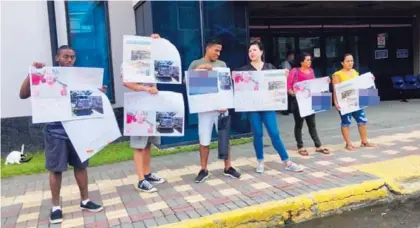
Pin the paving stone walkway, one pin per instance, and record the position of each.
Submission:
(26, 201)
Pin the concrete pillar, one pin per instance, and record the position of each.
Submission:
(416, 45)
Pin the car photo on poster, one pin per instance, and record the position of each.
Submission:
(166, 71)
(225, 81)
(169, 123)
(86, 103)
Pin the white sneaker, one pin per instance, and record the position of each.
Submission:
(293, 167)
(260, 167)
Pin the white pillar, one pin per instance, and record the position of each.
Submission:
(61, 22)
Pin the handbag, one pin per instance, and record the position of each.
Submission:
(223, 133)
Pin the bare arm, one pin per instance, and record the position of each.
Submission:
(335, 81)
(139, 87)
(25, 89)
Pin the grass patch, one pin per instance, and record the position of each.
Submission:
(113, 153)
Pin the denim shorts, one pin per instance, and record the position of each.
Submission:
(59, 153)
(359, 116)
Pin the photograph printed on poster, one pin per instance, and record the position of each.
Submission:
(225, 81)
(169, 123)
(140, 60)
(166, 71)
(244, 81)
(86, 103)
(46, 83)
(140, 122)
(350, 97)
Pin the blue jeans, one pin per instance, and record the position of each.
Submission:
(269, 119)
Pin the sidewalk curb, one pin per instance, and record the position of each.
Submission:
(297, 209)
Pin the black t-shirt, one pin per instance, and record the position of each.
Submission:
(249, 67)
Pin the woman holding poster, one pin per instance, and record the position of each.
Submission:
(347, 73)
(269, 118)
(305, 72)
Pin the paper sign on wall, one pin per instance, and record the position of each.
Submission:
(402, 53)
(381, 54)
(381, 40)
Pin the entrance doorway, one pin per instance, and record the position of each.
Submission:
(326, 50)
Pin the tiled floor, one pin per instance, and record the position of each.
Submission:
(181, 199)
(26, 200)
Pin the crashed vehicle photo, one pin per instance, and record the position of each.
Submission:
(82, 106)
(165, 122)
(225, 81)
(165, 71)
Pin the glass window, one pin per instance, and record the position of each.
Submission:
(226, 20)
(285, 44)
(89, 36)
(179, 22)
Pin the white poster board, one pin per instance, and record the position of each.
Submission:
(260, 90)
(147, 60)
(209, 90)
(65, 93)
(304, 92)
(160, 114)
(348, 92)
(89, 136)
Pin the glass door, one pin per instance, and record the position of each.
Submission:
(334, 50)
(312, 45)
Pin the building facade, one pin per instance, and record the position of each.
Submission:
(32, 31)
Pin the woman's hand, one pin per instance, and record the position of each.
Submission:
(337, 106)
(291, 92)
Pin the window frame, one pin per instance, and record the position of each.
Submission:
(111, 84)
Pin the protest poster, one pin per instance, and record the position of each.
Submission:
(89, 136)
(65, 93)
(260, 90)
(313, 96)
(160, 114)
(209, 90)
(350, 92)
(147, 60)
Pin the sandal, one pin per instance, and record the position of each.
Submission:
(303, 152)
(367, 144)
(322, 150)
(350, 147)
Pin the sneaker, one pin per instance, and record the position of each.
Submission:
(56, 216)
(154, 179)
(202, 176)
(146, 186)
(231, 172)
(291, 166)
(91, 206)
(260, 167)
